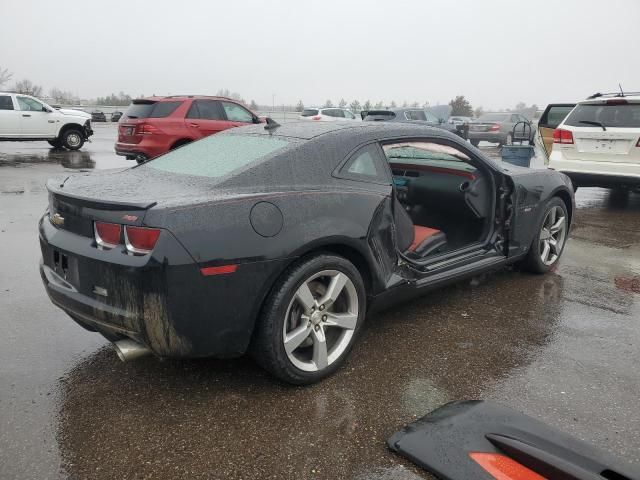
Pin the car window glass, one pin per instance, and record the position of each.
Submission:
(309, 112)
(29, 104)
(5, 102)
(366, 165)
(515, 118)
(338, 113)
(164, 109)
(235, 113)
(218, 155)
(622, 116)
(431, 117)
(417, 115)
(348, 114)
(207, 110)
(555, 116)
(427, 153)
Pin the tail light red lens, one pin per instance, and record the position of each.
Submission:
(494, 128)
(562, 136)
(617, 101)
(502, 467)
(147, 129)
(107, 234)
(140, 240)
(317, 117)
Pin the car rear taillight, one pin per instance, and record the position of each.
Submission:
(147, 129)
(562, 136)
(140, 240)
(495, 127)
(107, 234)
(617, 101)
(316, 117)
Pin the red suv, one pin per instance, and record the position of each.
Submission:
(153, 126)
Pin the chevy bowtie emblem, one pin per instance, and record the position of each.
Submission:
(57, 219)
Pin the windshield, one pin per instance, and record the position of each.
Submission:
(622, 116)
(218, 155)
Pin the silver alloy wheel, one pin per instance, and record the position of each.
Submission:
(320, 320)
(73, 140)
(552, 235)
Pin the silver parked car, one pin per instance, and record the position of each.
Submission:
(498, 128)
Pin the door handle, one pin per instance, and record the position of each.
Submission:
(25, 115)
(194, 125)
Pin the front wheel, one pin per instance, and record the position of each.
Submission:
(72, 139)
(475, 143)
(311, 320)
(548, 244)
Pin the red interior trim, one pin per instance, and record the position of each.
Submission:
(429, 168)
(420, 234)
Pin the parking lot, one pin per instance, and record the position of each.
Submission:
(562, 347)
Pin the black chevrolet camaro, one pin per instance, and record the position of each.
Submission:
(277, 240)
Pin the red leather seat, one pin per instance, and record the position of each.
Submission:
(420, 235)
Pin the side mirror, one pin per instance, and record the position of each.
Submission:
(45, 109)
(256, 119)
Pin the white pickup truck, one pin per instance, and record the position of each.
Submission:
(24, 118)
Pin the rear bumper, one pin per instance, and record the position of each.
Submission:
(496, 137)
(160, 300)
(584, 173)
(148, 147)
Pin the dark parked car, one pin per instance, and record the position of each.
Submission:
(411, 115)
(98, 116)
(279, 239)
(115, 116)
(499, 128)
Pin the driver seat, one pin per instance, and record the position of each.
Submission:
(415, 240)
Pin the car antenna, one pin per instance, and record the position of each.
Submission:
(271, 124)
(621, 92)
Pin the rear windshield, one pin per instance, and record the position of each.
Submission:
(494, 117)
(218, 155)
(309, 112)
(151, 109)
(623, 116)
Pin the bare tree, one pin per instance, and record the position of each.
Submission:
(380, 104)
(478, 112)
(27, 87)
(367, 106)
(300, 106)
(5, 76)
(342, 103)
(253, 105)
(393, 104)
(328, 104)
(355, 106)
(415, 104)
(460, 106)
(63, 97)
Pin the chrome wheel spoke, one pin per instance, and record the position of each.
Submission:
(334, 289)
(320, 355)
(557, 226)
(305, 297)
(347, 321)
(545, 251)
(294, 338)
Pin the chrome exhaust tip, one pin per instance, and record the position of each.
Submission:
(128, 350)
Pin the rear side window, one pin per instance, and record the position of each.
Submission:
(5, 102)
(554, 116)
(151, 109)
(366, 165)
(218, 155)
(235, 113)
(622, 116)
(333, 112)
(309, 112)
(415, 115)
(205, 110)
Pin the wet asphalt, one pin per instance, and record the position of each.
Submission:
(563, 348)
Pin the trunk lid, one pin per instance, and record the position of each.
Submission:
(595, 144)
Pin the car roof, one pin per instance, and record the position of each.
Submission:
(168, 98)
(374, 130)
(602, 100)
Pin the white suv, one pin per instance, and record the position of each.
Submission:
(327, 114)
(24, 118)
(598, 143)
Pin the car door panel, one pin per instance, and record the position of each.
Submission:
(552, 116)
(235, 115)
(34, 119)
(204, 118)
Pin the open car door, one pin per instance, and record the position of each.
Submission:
(552, 116)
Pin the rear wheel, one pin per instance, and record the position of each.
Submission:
(548, 244)
(55, 143)
(72, 139)
(311, 320)
(475, 143)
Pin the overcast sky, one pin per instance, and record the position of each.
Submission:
(494, 52)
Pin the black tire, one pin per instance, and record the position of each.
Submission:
(55, 143)
(533, 261)
(140, 158)
(268, 343)
(475, 143)
(72, 139)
